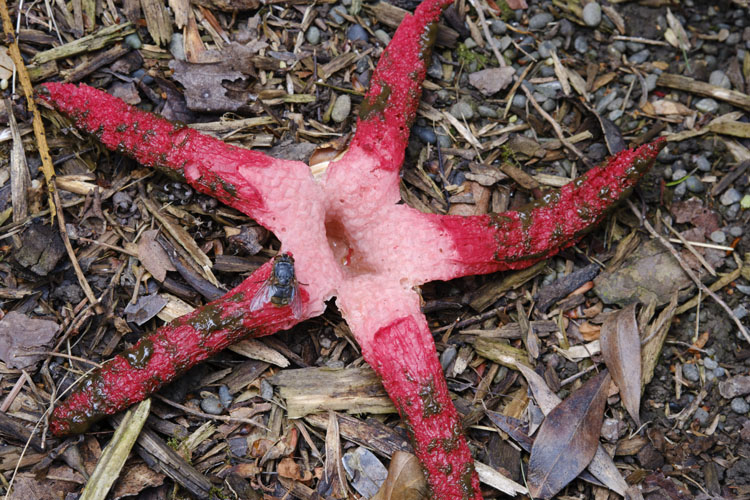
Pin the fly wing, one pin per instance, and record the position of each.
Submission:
(262, 296)
(296, 303)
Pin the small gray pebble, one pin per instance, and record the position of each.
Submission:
(680, 190)
(469, 43)
(547, 71)
(549, 105)
(498, 27)
(733, 39)
(615, 104)
(719, 372)
(176, 46)
(435, 70)
(597, 151)
(707, 105)
(615, 115)
(690, 372)
(736, 231)
(702, 163)
(580, 44)
(651, 81)
(133, 41)
(740, 406)
(566, 27)
(505, 42)
(679, 174)
(444, 141)
(486, 111)
(730, 196)
(357, 33)
(701, 416)
(142, 75)
(720, 79)
(519, 100)
(546, 48)
(549, 89)
(425, 134)
(341, 108)
(540, 21)
(539, 97)
(732, 211)
(635, 46)
(266, 390)
(718, 237)
(212, 405)
(710, 363)
(462, 110)
(313, 35)
(740, 312)
(592, 14)
(383, 37)
(694, 185)
(640, 57)
(225, 396)
(335, 14)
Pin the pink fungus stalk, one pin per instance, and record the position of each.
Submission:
(349, 239)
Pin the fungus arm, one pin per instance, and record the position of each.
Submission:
(519, 239)
(389, 108)
(238, 177)
(170, 351)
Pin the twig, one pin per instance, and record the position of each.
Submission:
(41, 142)
(689, 271)
(689, 246)
(556, 127)
(485, 29)
(223, 418)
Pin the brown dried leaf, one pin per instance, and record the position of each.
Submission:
(19, 334)
(153, 256)
(621, 348)
(333, 485)
(676, 35)
(568, 438)
(492, 80)
(405, 479)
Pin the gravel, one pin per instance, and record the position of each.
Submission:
(707, 105)
(425, 134)
(720, 79)
(357, 33)
(212, 405)
(694, 185)
(592, 14)
(730, 197)
(690, 372)
(313, 35)
(498, 27)
(385, 39)
(580, 44)
(462, 110)
(640, 57)
(540, 21)
(740, 406)
(341, 108)
(718, 237)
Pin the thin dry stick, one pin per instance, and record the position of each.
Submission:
(556, 127)
(223, 418)
(41, 141)
(486, 30)
(689, 271)
(690, 247)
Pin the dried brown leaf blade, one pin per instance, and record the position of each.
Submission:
(568, 438)
(621, 348)
(405, 479)
(153, 256)
(676, 35)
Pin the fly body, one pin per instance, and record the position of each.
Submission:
(281, 288)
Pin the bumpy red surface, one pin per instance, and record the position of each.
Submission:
(349, 238)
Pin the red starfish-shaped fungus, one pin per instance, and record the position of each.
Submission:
(350, 239)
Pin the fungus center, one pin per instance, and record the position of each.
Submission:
(350, 258)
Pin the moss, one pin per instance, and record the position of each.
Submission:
(467, 56)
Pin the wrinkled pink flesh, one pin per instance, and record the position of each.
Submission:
(349, 239)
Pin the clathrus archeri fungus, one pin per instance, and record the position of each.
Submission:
(349, 238)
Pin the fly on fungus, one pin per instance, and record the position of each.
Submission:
(281, 288)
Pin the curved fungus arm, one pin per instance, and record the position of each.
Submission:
(160, 357)
(389, 108)
(403, 354)
(519, 239)
(238, 177)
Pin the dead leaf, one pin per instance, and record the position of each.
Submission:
(290, 469)
(204, 89)
(333, 484)
(365, 471)
(6, 63)
(666, 107)
(153, 256)
(492, 80)
(19, 334)
(146, 308)
(621, 348)
(405, 479)
(568, 438)
(517, 4)
(675, 34)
